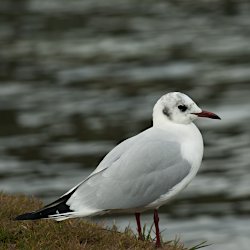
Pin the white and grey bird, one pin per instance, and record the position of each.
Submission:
(141, 173)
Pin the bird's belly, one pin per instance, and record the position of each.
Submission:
(164, 198)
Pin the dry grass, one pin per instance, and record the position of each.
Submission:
(71, 234)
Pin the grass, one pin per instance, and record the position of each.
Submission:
(71, 234)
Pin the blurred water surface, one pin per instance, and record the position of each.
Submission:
(77, 77)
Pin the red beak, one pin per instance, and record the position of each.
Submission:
(207, 114)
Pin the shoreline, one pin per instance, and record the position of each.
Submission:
(70, 234)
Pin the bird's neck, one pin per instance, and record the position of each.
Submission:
(162, 122)
(188, 135)
(166, 124)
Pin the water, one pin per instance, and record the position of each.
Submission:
(78, 77)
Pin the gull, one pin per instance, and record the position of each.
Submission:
(141, 173)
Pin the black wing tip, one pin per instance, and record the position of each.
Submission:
(46, 212)
(27, 216)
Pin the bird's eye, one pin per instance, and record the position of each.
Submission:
(182, 108)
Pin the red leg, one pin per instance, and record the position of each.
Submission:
(157, 231)
(138, 221)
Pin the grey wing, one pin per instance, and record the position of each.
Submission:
(139, 176)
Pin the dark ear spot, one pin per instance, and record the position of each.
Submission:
(166, 112)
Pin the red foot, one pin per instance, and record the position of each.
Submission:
(157, 231)
(138, 221)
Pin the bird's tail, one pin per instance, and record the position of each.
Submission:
(59, 210)
(55, 208)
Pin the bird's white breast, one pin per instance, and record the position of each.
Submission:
(191, 142)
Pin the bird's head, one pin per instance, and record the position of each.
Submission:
(179, 108)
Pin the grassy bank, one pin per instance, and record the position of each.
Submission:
(71, 234)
